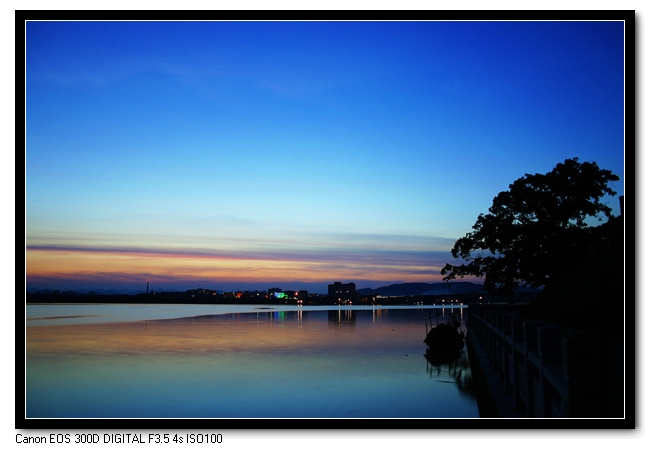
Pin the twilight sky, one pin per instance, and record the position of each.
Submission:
(249, 155)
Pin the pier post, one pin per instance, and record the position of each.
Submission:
(552, 386)
(581, 366)
(531, 385)
(517, 362)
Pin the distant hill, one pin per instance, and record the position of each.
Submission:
(437, 288)
(421, 288)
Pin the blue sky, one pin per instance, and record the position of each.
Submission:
(261, 154)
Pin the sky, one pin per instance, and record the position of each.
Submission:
(251, 155)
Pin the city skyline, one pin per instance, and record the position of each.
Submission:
(296, 154)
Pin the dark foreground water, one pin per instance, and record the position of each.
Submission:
(238, 362)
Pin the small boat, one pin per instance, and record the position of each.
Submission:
(445, 338)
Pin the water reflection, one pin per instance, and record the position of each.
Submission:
(339, 317)
(266, 363)
(453, 369)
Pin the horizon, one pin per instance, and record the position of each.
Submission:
(300, 153)
(253, 288)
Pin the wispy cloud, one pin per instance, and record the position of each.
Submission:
(121, 265)
(321, 255)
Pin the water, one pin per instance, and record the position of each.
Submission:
(161, 361)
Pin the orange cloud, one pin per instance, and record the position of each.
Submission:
(140, 265)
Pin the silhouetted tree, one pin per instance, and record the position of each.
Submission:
(534, 230)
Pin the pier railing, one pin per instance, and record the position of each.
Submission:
(544, 370)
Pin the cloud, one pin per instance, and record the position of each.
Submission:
(287, 259)
(364, 256)
(73, 265)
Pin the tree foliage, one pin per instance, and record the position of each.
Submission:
(535, 229)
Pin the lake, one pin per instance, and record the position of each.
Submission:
(220, 361)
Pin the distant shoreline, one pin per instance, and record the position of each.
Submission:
(185, 298)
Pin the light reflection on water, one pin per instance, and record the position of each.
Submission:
(265, 363)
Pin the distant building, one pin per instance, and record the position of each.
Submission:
(344, 292)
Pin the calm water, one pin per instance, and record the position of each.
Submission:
(112, 361)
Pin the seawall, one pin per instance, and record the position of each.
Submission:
(530, 368)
